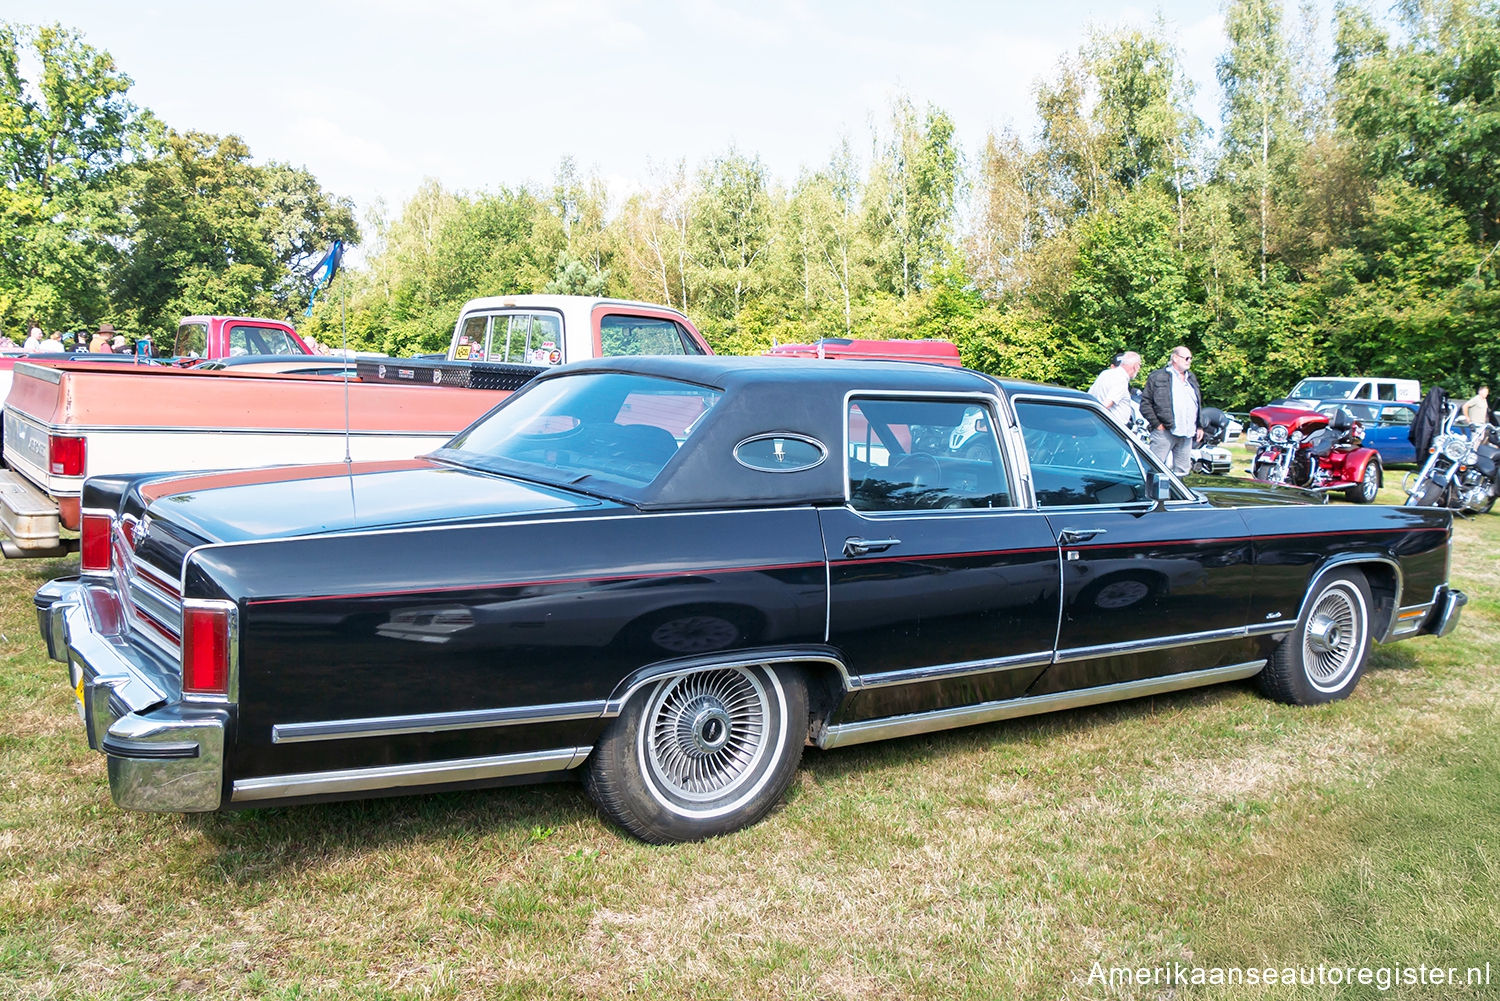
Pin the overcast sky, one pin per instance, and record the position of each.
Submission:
(374, 95)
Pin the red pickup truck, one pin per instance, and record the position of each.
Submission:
(229, 336)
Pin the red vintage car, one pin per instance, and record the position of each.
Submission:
(1318, 451)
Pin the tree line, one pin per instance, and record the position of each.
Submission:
(1341, 217)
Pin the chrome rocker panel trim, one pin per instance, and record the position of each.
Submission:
(473, 719)
(416, 775)
(844, 734)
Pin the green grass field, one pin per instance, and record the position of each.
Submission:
(1208, 829)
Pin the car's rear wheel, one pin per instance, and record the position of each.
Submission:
(701, 754)
(1368, 486)
(1322, 659)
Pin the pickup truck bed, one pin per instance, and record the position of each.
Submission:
(67, 420)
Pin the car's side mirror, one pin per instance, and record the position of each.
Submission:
(1158, 487)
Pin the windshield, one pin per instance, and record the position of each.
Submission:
(1323, 389)
(604, 426)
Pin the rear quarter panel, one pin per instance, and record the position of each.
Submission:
(502, 616)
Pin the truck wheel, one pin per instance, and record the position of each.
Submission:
(1322, 658)
(1368, 486)
(700, 754)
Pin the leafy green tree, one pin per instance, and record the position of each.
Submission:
(1143, 111)
(1428, 111)
(64, 140)
(730, 231)
(1259, 137)
(1129, 288)
(211, 232)
(910, 200)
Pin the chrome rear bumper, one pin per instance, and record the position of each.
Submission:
(31, 519)
(1445, 611)
(165, 754)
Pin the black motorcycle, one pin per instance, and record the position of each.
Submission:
(1462, 469)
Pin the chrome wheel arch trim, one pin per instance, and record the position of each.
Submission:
(661, 670)
(864, 731)
(1351, 561)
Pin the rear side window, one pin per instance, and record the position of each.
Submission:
(518, 338)
(1387, 390)
(917, 455)
(248, 340)
(1079, 456)
(621, 335)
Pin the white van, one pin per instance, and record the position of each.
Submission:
(1319, 389)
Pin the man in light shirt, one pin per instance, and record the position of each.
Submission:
(1112, 386)
(1171, 404)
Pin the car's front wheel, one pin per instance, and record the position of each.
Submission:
(701, 754)
(1322, 659)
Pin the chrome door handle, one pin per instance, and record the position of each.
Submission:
(1073, 536)
(859, 547)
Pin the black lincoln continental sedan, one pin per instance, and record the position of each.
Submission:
(669, 575)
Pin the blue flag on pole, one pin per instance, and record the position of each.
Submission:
(324, 270)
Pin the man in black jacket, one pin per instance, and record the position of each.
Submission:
(1171, 404)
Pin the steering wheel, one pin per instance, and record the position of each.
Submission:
(919, 469)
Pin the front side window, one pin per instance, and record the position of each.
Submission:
(606, 426)
(916, 455)
(621, 336)
(247, 340)
(1079, 456)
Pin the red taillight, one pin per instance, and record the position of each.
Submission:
(66, 454)
(93, 543)
(205, 647)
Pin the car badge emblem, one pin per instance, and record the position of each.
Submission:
(380, 371)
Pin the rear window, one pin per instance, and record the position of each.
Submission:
(602, 427)
(621, 335)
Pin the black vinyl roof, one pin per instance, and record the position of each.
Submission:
(793, 396)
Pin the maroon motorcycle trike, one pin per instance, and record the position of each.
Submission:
(1305, 448)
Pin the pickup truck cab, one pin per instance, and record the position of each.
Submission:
(550, 330)
(232, 336)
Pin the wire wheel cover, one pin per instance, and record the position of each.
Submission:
(1334, 638)
(705, 733)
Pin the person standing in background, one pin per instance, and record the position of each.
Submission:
(1171, 405)
(1112, 386)
(100, 343)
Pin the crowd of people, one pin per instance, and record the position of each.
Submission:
(105, 340)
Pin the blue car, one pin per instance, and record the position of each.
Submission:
(1386, 425)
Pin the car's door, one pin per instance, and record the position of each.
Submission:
(1148, 588)
(943, 579)
(1393, 441)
